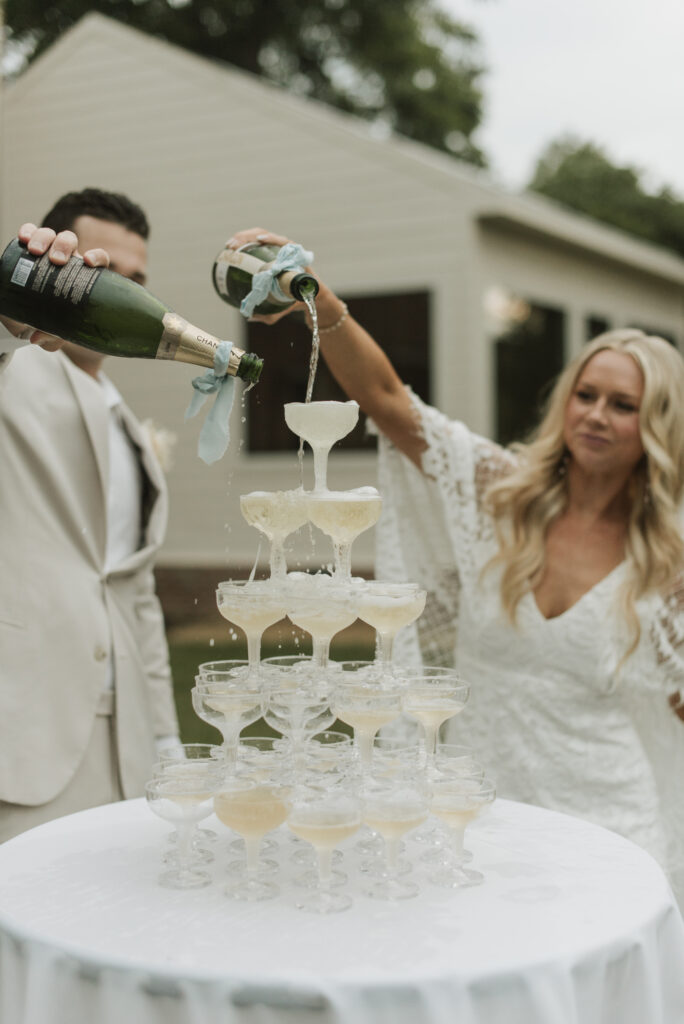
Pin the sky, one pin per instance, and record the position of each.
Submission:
(608, 71)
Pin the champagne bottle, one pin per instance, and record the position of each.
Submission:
(234, 269)
(102, 310)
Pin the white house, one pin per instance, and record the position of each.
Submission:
(207, 149)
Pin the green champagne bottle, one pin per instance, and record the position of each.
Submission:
(102, 310)
(234, 269)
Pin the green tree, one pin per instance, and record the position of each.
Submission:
(404, 64)
(580, 175)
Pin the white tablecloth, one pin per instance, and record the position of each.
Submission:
(573, 925)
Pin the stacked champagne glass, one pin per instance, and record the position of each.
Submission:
(311, 778)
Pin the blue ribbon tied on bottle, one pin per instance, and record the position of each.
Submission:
(215, 433)
(290, 257)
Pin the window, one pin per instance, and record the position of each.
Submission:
(400, 324)
(595, 325)
(529, 355)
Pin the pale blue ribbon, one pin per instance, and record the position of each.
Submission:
(215, 433)
(290, 257)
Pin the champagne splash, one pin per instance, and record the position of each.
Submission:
(310, 302)
(309, 299)
(252, 574)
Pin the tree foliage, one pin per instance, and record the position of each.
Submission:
(580, 175)
(404, 64)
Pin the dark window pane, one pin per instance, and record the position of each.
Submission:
(595, 325)
(528, 356)
(399, 323)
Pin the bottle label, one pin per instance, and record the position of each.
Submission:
(186, 343)
(252, 266)
(236, 258)
(71, 282)
(221, 276)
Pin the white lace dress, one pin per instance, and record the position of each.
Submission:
(552, 719)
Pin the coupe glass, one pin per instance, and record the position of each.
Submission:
(261, 757)
(227, 704)
(457, 802)
(319, 605)
(330, 757)
(361, 701)
(331, 747)
(432, 697)
(325, 818)
(394, 806)
(298, 713)
(391, 757)
(388, 607)
(276, 514)
(230, 669)
(397, 756)
(321, 424)
(452, 760)
(343, 515)
(183, 803)
(263, 752)
(252, 805)
(284, 669)
(193, 761)
(253, 605)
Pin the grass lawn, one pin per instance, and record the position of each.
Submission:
(188, 652)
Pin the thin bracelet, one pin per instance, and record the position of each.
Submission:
(338, 323)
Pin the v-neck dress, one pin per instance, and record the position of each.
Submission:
(554, 715)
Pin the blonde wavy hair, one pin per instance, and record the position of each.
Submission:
(526, 501)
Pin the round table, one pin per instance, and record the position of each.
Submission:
(573, 925)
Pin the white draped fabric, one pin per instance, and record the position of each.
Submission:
(573, 925)
(553, 716)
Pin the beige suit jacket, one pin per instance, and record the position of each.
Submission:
(60, 612)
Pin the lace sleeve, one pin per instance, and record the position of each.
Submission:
(433, 524)
(653, 674)
(462, 466)
(666, 637)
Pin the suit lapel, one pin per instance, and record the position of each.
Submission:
(154, 486)
(96, 419)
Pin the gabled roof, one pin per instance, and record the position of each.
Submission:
(525, 213)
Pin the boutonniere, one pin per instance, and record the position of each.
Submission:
(161, 441)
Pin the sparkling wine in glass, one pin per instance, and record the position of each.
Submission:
(388, 607)
(452, 760)
(394, 806)
(343, 515)
(252, 806)
(365, 705)
(432, 697)
(457, 802)
(253, 605)
(321, 607)
(183, 803)
(298, 713)
(321, 424)
(193, 761)
(276, 514)
(227, 704)
(325, 818)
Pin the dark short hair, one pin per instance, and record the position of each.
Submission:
(93, 202)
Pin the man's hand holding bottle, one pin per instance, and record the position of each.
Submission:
(61, 248)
